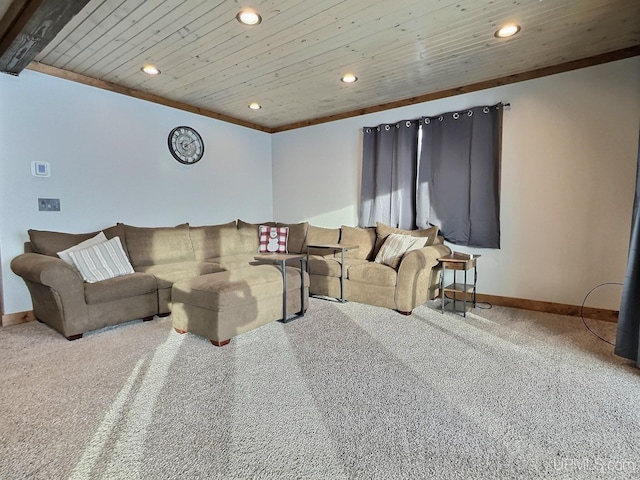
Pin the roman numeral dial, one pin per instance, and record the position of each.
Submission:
(186, 145)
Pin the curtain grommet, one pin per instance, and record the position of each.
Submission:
(456, 116)
(387, 128)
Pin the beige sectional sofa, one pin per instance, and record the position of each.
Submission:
(162, 256)
(414, 281)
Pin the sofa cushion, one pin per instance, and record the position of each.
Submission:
(50, 243)
(248, 239)
(237, 287)
(330, 267)
(169, 273)
(272, 239)
(383, 231)
(321, 236)
(297, 236)
(101, 261)
(373, 274)
(395, 246)
(158, 245)
(117, 288)
(231, 262)
(214, 240)
(365, 238)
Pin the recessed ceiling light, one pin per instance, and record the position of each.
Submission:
(248, 16)
(349, 78)
(150, 70)
(507, 31)
(255, 106)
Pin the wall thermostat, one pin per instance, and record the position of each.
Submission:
(40, 169)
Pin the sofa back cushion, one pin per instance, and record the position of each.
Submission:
(297, 236)
(50, 243)
(383, 231)
(158, 245)
(248, 238)
(365, 238)
(213, 241)
(321, 236)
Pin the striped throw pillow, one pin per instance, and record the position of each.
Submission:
(102, 261)
(395, 246)
(64, 254)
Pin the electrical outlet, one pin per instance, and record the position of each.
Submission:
(49, 204)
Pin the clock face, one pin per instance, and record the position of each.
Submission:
(186, 145)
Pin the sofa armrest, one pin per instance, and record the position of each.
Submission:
(425, 257)
(415, 276)
(45, 270)
(57, 292)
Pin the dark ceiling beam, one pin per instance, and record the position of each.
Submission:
(28, 26)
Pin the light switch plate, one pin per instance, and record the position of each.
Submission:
(49, 204)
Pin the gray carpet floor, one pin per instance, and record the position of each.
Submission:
(348, 391)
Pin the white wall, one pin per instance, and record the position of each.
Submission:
(110, 163)
(568, 176)
(569, 163)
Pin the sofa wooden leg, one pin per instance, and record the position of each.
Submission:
(181, 332)
(74, 337)
(220, 343)
(404, 313)
(147, 319)
(162, 315)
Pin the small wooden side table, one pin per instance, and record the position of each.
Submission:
(281, 259)
(335, 247)
(456, 262)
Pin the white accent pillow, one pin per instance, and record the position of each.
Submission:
(395, 246)
(64, 254)
(102, 261)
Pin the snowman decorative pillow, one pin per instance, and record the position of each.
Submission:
(273, 239)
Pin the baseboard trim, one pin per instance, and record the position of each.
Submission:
(17, 318)
(550, 307)
(521, 303)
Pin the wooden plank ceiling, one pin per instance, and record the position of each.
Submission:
(292, 62)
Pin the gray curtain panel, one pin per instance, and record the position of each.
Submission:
(389, 158)
(459, 176)
(628, 334)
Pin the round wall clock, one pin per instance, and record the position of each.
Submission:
(186, 145)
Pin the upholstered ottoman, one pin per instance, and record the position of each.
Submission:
(221, 305)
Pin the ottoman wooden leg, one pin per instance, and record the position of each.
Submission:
(181, 332)
(221, 343)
